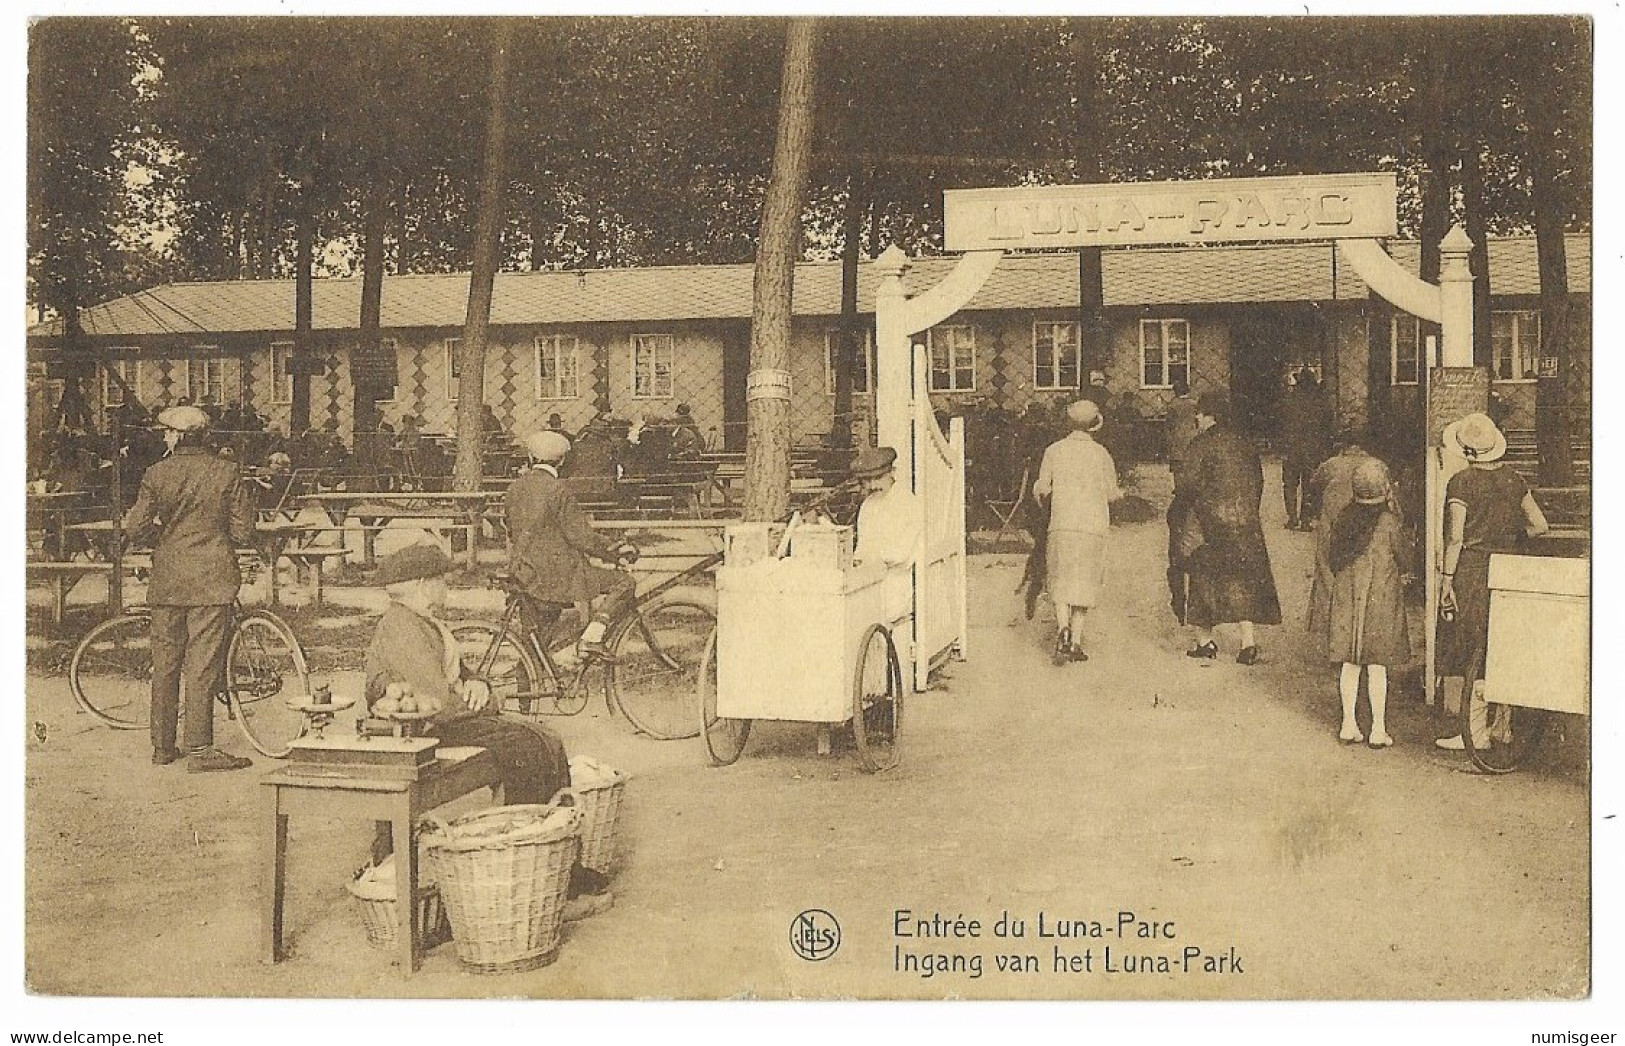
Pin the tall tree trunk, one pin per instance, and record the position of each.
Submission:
(267, 256)
(767, 446)
(487, 236)
(303, 349)
(369, 349)
(1552, 435)
(538, 240)
(1436, 152)
(849, 347)
(1093, 331)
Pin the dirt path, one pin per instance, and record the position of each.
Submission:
(1208, 795)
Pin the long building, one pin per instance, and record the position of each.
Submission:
(639, 342)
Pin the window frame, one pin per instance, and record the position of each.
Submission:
(654, 341)
(867, 386)
(280, 377)
(1054, 361)
(1419, 348)
(1162, 325)
(454, 367)
(394, 348)
(555, 342)
(1530, 356)
(209, 356)
(953, 348)
(129, 369)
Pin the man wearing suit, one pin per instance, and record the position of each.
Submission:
(194, 511)
(550, 541)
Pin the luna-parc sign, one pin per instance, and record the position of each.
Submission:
(1220, 210)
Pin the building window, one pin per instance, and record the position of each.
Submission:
(1165, 353)
(281, 380)
(862, 374)
(120, 374)
(454, 368)
(651, 366)
(1515, 337)
(1406, 349)
(1056, 355)
(206, 378)
(952, 351)
(389, 348)
(556, 369)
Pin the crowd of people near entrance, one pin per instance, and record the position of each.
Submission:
(1220, 579)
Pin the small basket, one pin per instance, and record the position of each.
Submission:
(504, 875)
(377, 897)
(600, 803)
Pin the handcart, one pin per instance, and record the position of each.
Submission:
(804, 635)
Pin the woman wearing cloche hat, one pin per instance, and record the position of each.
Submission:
(1486, 505)
(1078, 480)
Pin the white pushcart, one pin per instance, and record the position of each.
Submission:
(806, 637)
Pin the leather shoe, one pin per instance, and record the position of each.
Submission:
(165, 756)
(591, 647)
(1248, 656)
(1209, 650)
(1076, 654)
(1380, 740)
(1451, 744)
(212, 760)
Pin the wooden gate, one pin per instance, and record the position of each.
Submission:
(939, 483)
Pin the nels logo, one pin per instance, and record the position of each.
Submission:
(814, 935)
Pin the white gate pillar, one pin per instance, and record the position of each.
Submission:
(902, 398)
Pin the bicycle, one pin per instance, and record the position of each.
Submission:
(648, 672)
(111, 676)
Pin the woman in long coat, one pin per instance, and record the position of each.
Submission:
(1078, 481)
(1230, 576)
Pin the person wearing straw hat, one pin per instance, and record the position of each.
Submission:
(1078, 481)
(1229, 574)
(1366, 624)
(1487, 508)
(550, 541)
(194, 510)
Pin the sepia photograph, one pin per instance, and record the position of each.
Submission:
(809, 507)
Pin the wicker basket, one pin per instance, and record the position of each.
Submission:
(504, 874)
(377, 896)
(599, 800)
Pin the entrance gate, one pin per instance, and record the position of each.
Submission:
(1355, 210)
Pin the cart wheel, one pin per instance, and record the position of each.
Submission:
(1514, 731)
(724, 738)
(877, 700)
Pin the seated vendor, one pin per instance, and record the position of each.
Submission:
(414, 653)
(889, 518)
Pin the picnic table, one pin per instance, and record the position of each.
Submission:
(49, 513)
(272, 540)
(374, 510)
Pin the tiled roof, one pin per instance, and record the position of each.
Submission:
(1163, 276)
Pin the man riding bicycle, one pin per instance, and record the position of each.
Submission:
(550, 541)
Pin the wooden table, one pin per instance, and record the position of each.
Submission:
(273, 538)
(400, 802)
(373, 509)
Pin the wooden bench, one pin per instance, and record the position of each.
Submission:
(62, 577)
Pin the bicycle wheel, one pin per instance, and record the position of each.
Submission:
(496, 656)
(877, 700)
(111, 672)
(654, 664)
(265, 676)
(1512, 732)
(724, 738)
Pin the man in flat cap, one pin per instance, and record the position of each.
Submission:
(550, 542)
(194, 511)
